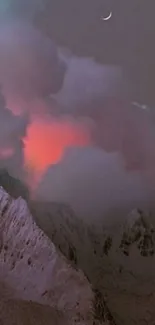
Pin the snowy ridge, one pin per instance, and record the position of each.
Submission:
(119, 260)
(32, 267)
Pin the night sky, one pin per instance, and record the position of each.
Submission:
(127, 39)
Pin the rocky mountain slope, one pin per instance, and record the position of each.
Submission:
(21, 312)
(31, 269)
(118, 260)
(139, 232)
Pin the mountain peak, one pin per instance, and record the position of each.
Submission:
(33, 268)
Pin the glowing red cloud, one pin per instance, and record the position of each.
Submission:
(47, 140)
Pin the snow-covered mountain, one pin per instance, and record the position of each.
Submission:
(118, 260)
(31, 268)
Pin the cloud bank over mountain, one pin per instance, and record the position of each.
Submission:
(73, 116)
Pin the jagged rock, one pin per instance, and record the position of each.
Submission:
(107, 245)
(140, 232)
(101, 309)
(127, 279)
(61, 225)
(33, 268)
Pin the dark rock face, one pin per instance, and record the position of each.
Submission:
(101, 310)
(119, 263)
(140, 233)
(13, 186)
(115, 261)
(107, 245)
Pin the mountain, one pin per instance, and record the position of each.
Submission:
(118, 260)
(139, 233)
(20, 312)
(35, 275)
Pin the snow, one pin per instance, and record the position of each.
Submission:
(34, 269)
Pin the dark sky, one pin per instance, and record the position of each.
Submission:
(127, 39)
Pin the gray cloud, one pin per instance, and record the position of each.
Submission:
(117, 172)
(29, 63)
(113, 171)
(102, 94)
(95, 183)
(87, 80)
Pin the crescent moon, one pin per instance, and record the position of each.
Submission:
(108, 17)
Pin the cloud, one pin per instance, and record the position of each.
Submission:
(87, 80)
(94, 183)
(46, 140)
(77, 128)
(102, 94)
(117, 170)
(20, 8)
(30, 66)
